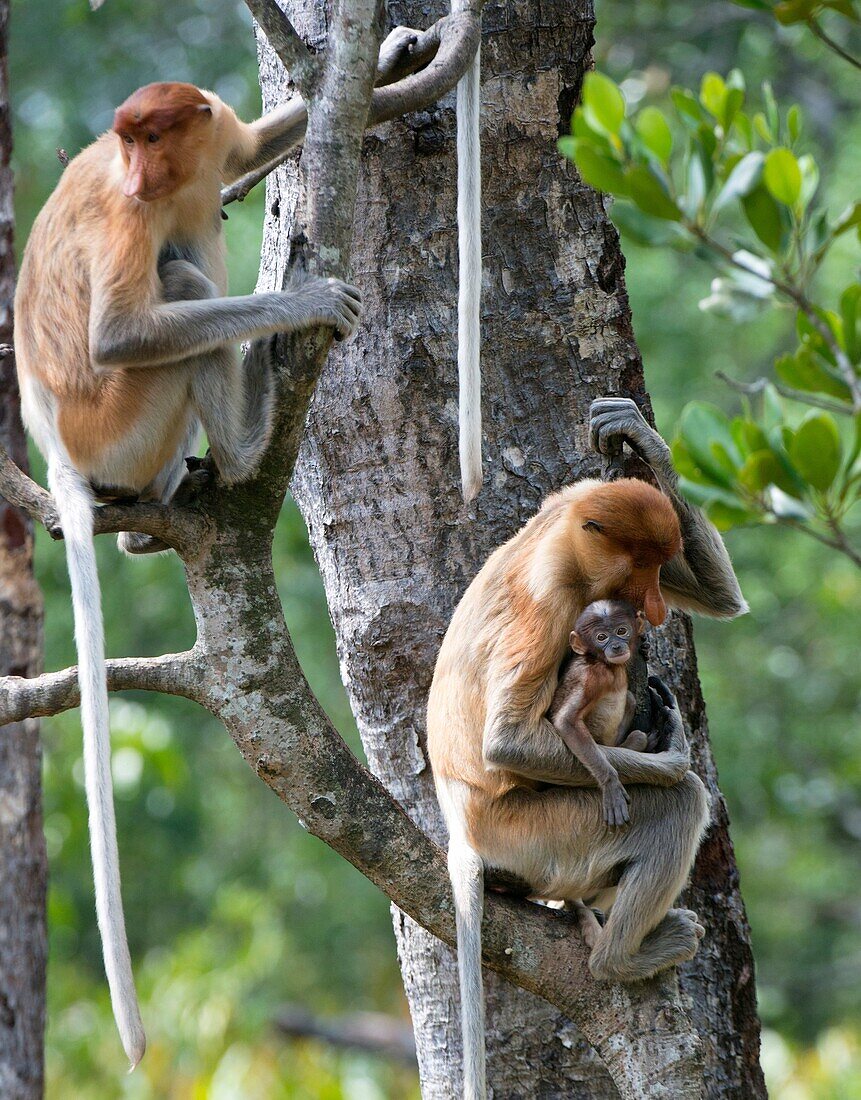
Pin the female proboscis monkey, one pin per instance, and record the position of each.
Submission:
(125, 346)
(514, 796)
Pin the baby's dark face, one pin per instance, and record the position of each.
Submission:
(607, 630)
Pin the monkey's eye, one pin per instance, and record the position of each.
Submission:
(152, 138)
(622, 632)
(592, 525)
(128, 139)
(602, 637)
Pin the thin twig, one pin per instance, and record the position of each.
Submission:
(754, 389)
(286, 41)
(838, 543)
(816, 28)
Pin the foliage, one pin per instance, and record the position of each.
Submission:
(714, 176)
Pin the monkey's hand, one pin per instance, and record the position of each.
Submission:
(328, 302)
(617, 420)
(668, 729)
(615, 801)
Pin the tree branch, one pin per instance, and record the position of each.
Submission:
(442, 53)
(180, 528)
(55, 692)
(287, 43)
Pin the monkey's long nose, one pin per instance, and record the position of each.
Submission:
(654, 606)
(134, 181)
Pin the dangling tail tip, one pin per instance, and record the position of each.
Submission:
(471, 482)
(135, 1047)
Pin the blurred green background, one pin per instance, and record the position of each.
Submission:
(232, 909)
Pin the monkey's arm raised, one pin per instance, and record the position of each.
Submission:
(532, 747)
(701, 578)
(169, 331)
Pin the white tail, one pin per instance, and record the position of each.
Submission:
(75, 505)
(469, 291)
(467, 882)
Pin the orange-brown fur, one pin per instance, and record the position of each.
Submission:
(510, 630)
(93, 249)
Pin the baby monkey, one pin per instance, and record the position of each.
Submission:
(592, 705)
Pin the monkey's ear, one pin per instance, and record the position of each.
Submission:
(592, 525)
(577, 643)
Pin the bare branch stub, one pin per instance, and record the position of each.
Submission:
(286, 41)
(55, 692)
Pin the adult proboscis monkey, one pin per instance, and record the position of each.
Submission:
(514, 796)
(125, 345)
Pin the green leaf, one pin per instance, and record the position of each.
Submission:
(645, 230)
(761, 469)
(713, 94)
(849, 313)
(809, 178)
(687, 106)
(845, 7)
(596, 168)
(725, 517)
(741, 181)
(816, 451)
(762, 128)
(732, 105)
(850, 217)
(696, 185)
(756, 5)
(603, 102)
(803, 372)
(748, 436)
(649, 193)
(772, 408)
(701, 426)
(782, 176)
(764, 216)
(655, 133)
(794, 11)
(793, 121)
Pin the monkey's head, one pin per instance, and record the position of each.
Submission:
(626, 530)
(162, 130)
(608, 630)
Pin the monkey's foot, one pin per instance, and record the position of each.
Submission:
(135, 543)
(636, 741)
(200, 472)
(588, 924)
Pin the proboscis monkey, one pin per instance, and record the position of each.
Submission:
(592, 705)
(514, 796)
(125, 345)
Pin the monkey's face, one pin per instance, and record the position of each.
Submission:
(162, 130)
(607, 630)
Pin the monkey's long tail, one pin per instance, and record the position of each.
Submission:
(75, 505)
(467, 881)
(469, 290)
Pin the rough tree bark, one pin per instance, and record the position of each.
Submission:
(23, 863)
(377, 483)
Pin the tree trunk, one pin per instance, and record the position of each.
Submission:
(378, 484)
(23, 864)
